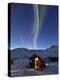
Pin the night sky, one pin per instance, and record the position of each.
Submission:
(22, 26)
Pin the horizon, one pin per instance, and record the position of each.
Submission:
(32, 48)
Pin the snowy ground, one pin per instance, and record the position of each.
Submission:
(17, 70)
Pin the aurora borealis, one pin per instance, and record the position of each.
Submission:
(33, 26)
(36, 26)
(38, 21)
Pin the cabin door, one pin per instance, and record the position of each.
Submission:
(36, 63)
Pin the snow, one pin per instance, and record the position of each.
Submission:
(19, 69)
(21, 57)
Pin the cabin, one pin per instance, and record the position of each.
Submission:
(36, 62)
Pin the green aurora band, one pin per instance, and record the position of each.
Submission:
(38, 21)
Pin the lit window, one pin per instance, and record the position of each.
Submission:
(36, 59)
